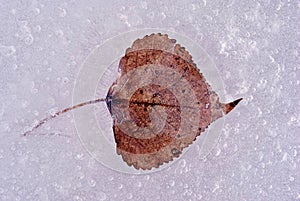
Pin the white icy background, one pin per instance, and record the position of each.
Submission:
(255, 46)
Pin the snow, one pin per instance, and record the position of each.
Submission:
(255, 46)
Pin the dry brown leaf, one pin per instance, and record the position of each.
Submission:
(160, 103)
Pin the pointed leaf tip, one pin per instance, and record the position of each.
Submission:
(229, 106)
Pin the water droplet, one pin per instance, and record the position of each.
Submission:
(34, 90)
(285, 157)
(25, 103)
(144, 5)
(101, 196)
(37, 28)
(129, 196)
(13, 147)
(29, 40)
(13, 11)
(182, 163)
(79, 156)
(14, 66)
(65, 93)
(92, 182)
(260, 156)
(295, 153)
(36, 113)
(172, 182)
(218, 152)
(1, 110)
(80, 175)
(19, 153)
(77, 198)
(36, 11)
(62, 12)
(7, 51)
(147, 177)
(250, 98)
(34, 123)
(217, 186)
(24, 28)
(139, 184)
(225, 146)
(52, 111)
(59, 33)
(51, 101)
(110, 178)
(65, 80)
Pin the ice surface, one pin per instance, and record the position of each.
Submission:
(255, 45)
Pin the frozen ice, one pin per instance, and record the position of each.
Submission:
(255, 46)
